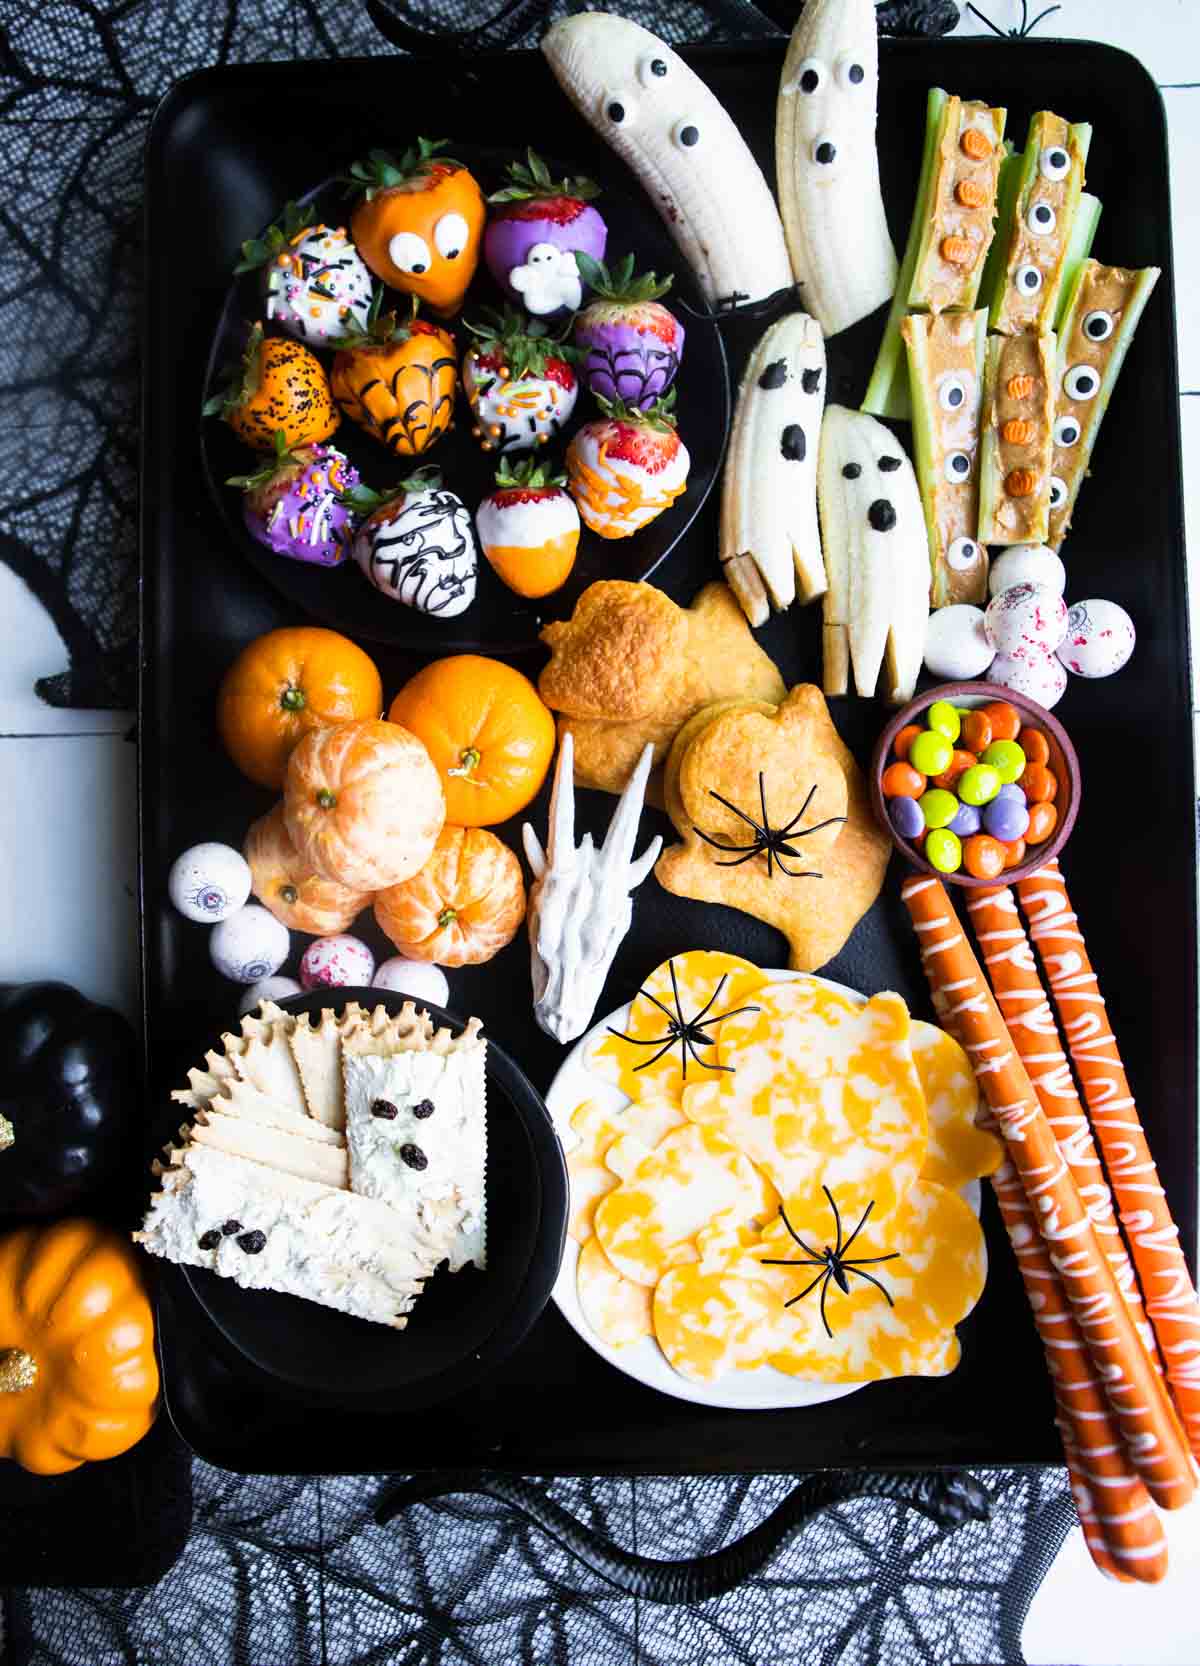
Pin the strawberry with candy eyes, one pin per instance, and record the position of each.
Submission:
(626, 467)
(313, 281)
(529, 528)
(293, 503)
(537, 226)
(519, 381)
(420, 222)
(632, 343)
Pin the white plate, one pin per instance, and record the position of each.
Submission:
(762, 1390)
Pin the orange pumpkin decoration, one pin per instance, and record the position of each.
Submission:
(463, 907)
(302, 899)
(279, 388)
(78, 1377)
(398, 381)
(363, 804)
(488, 732)
(285, 683)
(419, 226)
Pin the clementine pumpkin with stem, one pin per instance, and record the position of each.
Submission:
(78, 1376)
(419, 225)
(465, 905)
(490, 735)
(285, 683)
(362, 804)
(294, 892)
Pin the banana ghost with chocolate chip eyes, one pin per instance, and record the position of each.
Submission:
(770, 543)
(876, 558)
(828, 167)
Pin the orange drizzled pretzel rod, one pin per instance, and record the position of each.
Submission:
(1025, 1008)
(1120, 1528)
(1139, 1401)
(1171, 1302)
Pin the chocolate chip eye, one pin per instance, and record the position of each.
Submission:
(424, 1109)
(958, 467)
(210, 1239)
(881, 515)
(253, 1243)
(774, 376)
(1081, 382)
(1066, 431)
(414, 1157)
(810, 381)
(851, 471)
(616, 112)
(384, 1109)
(1098, 326)
(657, 67)
(889, 464)
(824, 151)
(792, 443)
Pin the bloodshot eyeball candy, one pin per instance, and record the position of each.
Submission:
(1100, 639)
(972, 789)
(1026, 618)
(249, 945)
(336, 962)
(209, 882)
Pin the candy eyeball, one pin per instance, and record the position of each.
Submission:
(267, 989)
(963, 555)
(250, 945)
(451, 235)
(809, 78)
(1067, 431)
(1026, 618)
(957, 467)
(685, 134)
(1058, 491)
(208, 883)
(1036, 675)
(1041, 219)
(337, 962)
(1100, 639)
(957, 648)
(410, 253)
(952, 391)
(419, 978)
(652, 70)
(1027, 279)
(1098, 326)
(1081, 382)
(1054, 163)
(1027, 564)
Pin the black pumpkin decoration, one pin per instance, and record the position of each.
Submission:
(68, 1087)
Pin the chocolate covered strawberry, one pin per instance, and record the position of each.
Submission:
(529, 528)
(632, 344)
(294, 506)
(536, 227)
(518, 380)
(628, 466)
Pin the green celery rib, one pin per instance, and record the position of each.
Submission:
(926, 455)
(887, 391)
(1083, 235)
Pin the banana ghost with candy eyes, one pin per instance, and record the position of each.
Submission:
(828, 167)
(663, 121)
(770, 545)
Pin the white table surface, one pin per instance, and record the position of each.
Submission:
(68, 850)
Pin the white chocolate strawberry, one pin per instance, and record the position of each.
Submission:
(626, 467)
(529, 528)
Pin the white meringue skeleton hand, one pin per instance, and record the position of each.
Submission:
(580, 905)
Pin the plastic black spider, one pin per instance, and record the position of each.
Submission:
(1028, 25)
(768, 840)
(834, 1263)
(688, 1032)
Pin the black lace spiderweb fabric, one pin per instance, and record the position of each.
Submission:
(288, 1572)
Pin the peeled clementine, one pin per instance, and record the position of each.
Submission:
(463, 907)
(282, 685)
(489, 733)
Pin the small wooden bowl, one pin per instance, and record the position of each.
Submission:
(1063, 761)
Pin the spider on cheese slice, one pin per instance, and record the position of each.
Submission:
(589, 1175)
(928, 1256)
(670, 1038)
(822, 1091)
(958, 1151)
(720, 1312)
(647, 1223)
(617, 1309)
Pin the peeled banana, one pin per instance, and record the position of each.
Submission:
(770, 543)
(662, 120)
(827, 165)
(876, 558)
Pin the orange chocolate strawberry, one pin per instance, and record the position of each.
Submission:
(279, 388)
(419, 225)
(397, 380)
(529, 528)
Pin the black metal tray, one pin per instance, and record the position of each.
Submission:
(554, 1406)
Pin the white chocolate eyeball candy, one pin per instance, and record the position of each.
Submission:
(1100, 639)
(1026, 618)
(267, 989)
(336, 963)
(1036, 675)
(250, 945)
(209, 882)
(420, 978)
(956, 645)
(1027, 564)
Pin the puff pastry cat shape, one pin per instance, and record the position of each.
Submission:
(749, 766)
(630, 667)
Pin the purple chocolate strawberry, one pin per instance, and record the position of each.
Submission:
(532, 237)
(632, 344)
(293, 504)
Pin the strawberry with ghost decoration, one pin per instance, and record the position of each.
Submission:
(538, 226)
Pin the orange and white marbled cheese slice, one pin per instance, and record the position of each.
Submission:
(958, 1151)
(617, 1309)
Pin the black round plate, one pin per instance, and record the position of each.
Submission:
(463, 1323)
(498, 620)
